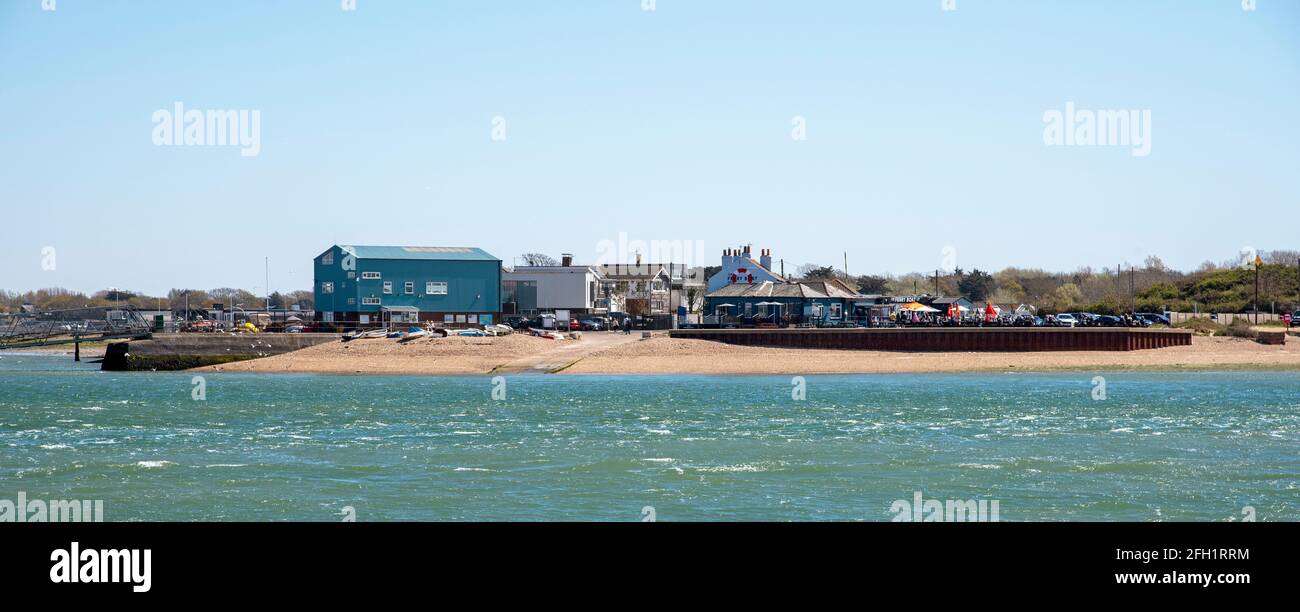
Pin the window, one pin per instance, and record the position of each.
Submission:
(388, 287)
(370, 276)
(327, 259)
(352, 301)
(835, 310)
(435, 288)
(449, 318)
(749, 308)
(327, 287)
(352, 274)
(370, 301)
(409, 287)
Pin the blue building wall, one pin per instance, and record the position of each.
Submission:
(795, 306)
(472, 282)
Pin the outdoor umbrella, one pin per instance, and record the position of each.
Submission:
(766, 304)
(918, 307)
(990, 312)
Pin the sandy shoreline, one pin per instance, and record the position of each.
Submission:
(612, 353)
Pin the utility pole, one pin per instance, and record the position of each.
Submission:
(936, 282)
(268, 285)
(1257, 264)
(846, 265)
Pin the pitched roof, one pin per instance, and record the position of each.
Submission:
(764, 268)
(785, 290)
(631, 271)
(419, 252)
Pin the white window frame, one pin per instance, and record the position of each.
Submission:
(432, 287)
(388, 287)
(327, 259)
(327, 287)
(408, 288)
(836, 311)
(370, 301)
(371, 276)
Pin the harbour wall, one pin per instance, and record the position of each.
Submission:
(950, 338)
(184, 351)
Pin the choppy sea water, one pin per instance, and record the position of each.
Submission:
(1161, 446)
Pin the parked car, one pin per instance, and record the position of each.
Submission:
(293, 329)
(574, 325)
(1153, 318)
(1066, 319)
(1028, 320)
(1085, 319)
(592, 324)
(1107, 321)
(516, 321)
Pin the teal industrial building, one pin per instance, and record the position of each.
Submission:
(443, 285)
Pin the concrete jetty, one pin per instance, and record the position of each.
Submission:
(184, 351)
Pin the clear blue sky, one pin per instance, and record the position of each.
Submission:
(924, 130)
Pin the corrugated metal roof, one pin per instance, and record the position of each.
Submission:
(420, 252)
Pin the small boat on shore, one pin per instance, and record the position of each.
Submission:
(418, 333)
(359, 335)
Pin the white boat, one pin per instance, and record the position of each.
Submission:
(413, 335)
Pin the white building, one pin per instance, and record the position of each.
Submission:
(536, 289)
(739, 268)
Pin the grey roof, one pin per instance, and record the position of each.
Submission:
(785, 290)
(632, 271)
(434, 253)
(575, 269)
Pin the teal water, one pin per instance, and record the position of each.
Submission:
(1162, 446)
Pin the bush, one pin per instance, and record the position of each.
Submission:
(1240, 328)
(1203, 326)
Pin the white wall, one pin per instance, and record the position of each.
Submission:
(558, 287)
